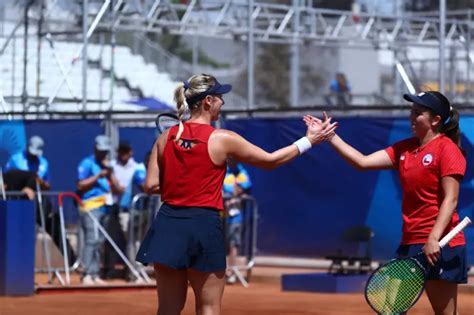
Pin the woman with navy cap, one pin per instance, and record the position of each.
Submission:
(187, 166)
(431, 166)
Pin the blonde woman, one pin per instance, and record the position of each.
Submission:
(187, 166)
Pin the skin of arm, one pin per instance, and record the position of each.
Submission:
(376, 160)
(88, 183)
(43, 184)
(114, 183)
(450, 186)
(373, 161)
(225, 143)
(152, 180)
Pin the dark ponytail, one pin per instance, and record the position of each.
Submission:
(451, 129)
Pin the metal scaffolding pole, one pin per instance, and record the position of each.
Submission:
(468, 84)
(295, 58)
(24, 92)
(39, 47)
(273, 23)
(195, 57)
(250, 58)
(85, 39)
(69, 84)
(452, 73)
(113, 42)
(78, 54)
(442, 45)
(2, 101)
(13, 67)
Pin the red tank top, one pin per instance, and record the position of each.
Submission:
(188, 177)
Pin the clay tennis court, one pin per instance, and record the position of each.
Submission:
(264, 296)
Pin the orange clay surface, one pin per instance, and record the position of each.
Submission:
(264, 296)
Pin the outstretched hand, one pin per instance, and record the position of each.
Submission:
(319, 130)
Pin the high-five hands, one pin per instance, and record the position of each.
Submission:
(319, 130)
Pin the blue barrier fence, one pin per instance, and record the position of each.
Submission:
(305, 206)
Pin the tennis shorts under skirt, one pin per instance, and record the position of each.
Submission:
(451, 266)
(185, 237)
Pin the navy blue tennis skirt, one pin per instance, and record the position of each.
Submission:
(185, 237)
(451, 266)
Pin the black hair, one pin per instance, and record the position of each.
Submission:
(124, 147)
(449, 128)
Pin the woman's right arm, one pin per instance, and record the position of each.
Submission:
(152, 179)
(377, 160)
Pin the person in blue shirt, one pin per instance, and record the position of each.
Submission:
(340, 89)
(236, 184)
(95, 185)
(32, 160)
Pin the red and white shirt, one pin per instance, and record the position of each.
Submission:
(421, 169)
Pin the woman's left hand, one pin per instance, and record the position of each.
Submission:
(432, 251)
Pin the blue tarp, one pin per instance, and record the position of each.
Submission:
(304, 206)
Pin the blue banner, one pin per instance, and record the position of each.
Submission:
(305, 206)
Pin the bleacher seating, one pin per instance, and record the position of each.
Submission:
(133, 75)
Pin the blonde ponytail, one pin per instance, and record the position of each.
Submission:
(195, 85)
(182, 107)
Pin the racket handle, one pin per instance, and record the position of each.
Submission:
(458, 228)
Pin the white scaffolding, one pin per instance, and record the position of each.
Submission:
(276, 23)
(253, 21)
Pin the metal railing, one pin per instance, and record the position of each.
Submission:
(143, 210)
(249, 212)
(51, 213)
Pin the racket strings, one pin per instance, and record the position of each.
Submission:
(395, 287)
(166, 121)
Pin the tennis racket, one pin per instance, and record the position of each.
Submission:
(165, 121)
(397, 285)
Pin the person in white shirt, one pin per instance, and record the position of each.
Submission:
(130, 174)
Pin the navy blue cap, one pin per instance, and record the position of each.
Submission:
(217, 88)
(435, 101)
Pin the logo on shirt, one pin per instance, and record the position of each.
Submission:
(427, 159)
(402, 157)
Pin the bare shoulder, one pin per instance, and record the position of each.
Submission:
(223, 135)
(161, 141)
(162, 138)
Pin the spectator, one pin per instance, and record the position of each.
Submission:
(236, 184)
(340, 89)
(19, 180)
(95, 184)
(32, 160)
(130, 176)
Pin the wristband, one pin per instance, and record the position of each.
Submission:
(303, 144)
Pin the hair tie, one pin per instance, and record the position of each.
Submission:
(186, 85)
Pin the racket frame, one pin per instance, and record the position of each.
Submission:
(167, 114)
